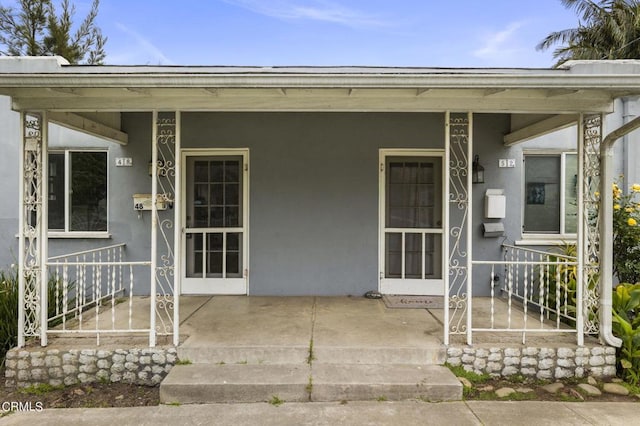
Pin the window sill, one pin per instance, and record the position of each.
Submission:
(72, 235)
(546, 240)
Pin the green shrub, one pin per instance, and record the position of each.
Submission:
(8, 311)
(566, 286)
(626, 234)
(626, 326)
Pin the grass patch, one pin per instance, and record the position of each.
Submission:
(174, 404)
(518, 396)
(40, 389)
(243, 362)
(311, 357)
(633, 389)
(468, 392)
(382, 398)
(482, 396)
(569, 398)
(183, 362)
(474, 378)
(517, 378)
(275, 401)
(309, 387)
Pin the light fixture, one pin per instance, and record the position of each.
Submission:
(477, 171)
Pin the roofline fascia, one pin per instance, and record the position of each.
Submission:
(437, 81)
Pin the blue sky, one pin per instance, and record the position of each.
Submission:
(464, 33)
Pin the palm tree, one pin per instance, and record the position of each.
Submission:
(607, 29)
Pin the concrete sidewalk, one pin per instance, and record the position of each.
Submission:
(352, 413)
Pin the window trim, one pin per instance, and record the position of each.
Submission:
(66, 232)
(548, 238)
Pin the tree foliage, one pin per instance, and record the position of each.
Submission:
(607, 29)
(39, 28)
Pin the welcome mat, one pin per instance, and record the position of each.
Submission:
(413, 302)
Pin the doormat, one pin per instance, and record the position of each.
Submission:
(413, 302)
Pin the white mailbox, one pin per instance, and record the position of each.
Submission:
(495, 204)
(143, 202)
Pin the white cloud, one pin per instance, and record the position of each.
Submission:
(315, 10)
(501, 44)
(137, 51)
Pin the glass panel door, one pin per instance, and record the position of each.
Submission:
(411, 225)
(215, 225)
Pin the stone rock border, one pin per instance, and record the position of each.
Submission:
(27, 367)
(543, 363)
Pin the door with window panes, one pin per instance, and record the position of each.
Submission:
(411, 225)
(215, 235)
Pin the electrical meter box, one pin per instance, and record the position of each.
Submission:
(495, 204)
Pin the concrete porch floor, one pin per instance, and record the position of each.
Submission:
(291, 325)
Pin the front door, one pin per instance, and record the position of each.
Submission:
(411, 212)
(215, 218)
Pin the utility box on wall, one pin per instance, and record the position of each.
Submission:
(495, 204)
(492, 230)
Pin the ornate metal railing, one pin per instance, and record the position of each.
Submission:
(87, 290)
(459, 146)
(165, 235)
(539, 290)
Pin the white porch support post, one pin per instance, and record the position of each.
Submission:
(154, 228)
(166, 224)
(21, 229)
(177, 231)
(445, 246)
(32, 276)
(580, 243)
(590, 137)
(469, 229)
(44, 228)
(597, 241)
(458, 233)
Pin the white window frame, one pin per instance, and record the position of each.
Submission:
(532, 238)
(67, 233)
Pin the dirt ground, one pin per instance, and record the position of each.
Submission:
(533, 390)
(97, 395)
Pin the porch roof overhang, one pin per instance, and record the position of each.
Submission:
(49, 83)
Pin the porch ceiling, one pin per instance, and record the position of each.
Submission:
(212, 98)
(49, 83)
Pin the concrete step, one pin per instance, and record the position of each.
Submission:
(333, 382)
(208, 354)
(377, 355)
(230, 383)
(211, 383)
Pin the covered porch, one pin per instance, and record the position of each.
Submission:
(291, 327)
(169, 111)
(347, 347)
